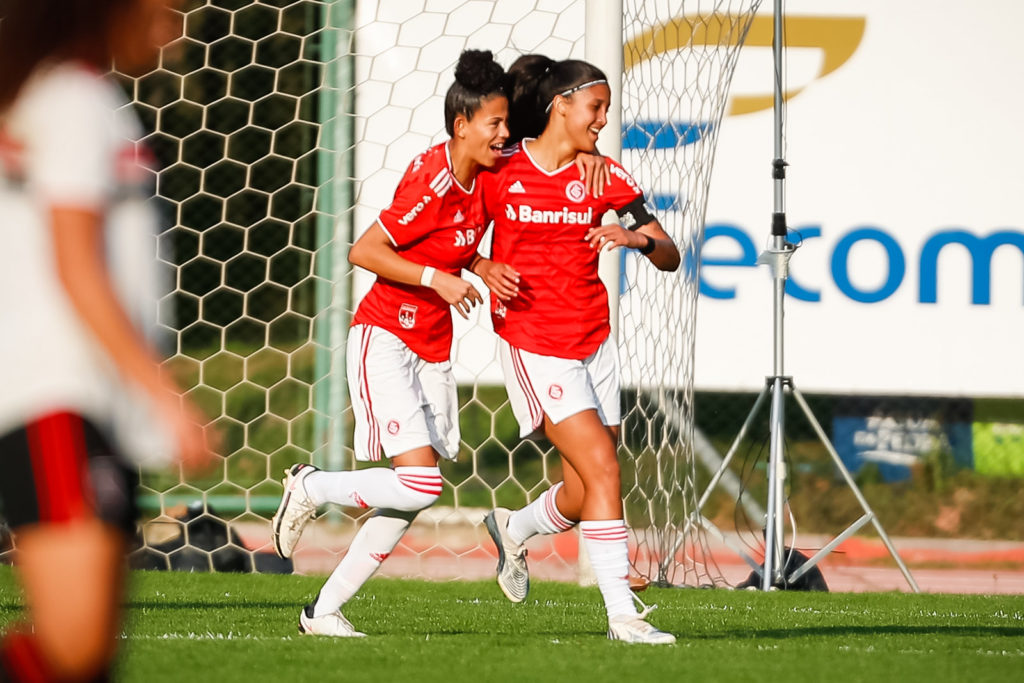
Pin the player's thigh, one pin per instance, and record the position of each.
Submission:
(69, 498)
(72, 575)
(586, 443)
(388, 403)
(437, 384)
(602, 368)
(546, 388)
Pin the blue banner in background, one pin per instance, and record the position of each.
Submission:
(899, 434)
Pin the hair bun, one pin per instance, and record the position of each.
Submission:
(477, 71)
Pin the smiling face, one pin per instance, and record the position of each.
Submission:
(584, 113)
(484, 134)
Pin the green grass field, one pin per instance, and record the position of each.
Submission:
(224, 628)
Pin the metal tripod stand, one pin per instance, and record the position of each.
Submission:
(776, 257)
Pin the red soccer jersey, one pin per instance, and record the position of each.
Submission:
(434, 221)
(540, 219)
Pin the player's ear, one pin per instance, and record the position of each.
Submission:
(459, 126)
(561, 104)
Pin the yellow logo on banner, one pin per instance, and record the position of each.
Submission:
(837, 38)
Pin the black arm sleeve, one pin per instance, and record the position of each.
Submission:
(635, 214)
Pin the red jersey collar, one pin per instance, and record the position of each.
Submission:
(451, 169)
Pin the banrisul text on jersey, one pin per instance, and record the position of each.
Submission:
(540, 220)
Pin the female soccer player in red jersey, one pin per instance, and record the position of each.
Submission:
(403, 392)
(76, 290)
(559, 360)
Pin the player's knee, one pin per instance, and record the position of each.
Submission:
(603, 475)
(420, 487)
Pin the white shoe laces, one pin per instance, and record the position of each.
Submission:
(644, 609)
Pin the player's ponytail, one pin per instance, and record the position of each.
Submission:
(526, 116)
(536, 82)
(477, 78)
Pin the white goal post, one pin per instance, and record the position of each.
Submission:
(282, 128)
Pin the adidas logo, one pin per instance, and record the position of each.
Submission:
(516, 188)
(458, 217)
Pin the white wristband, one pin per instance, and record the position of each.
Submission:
(427, 275)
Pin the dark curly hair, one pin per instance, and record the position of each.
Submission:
(477, 78)
(33, 32)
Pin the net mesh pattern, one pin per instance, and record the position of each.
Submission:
(677, 71)
(282, 128)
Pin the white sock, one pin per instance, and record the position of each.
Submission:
(605, 541)
(371, 546)
(539, 517)
(403, 488)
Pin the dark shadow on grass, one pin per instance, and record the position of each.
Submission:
(222, 604)
(865, 631)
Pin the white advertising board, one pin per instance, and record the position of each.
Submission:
(905, 170)
(905, 181)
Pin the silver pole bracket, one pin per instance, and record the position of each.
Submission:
(777, 259)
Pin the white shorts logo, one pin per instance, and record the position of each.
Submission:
(575, 191)
(393, 427)
(555, 391)
(407, 316)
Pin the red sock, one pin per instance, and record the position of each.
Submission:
(21, 661)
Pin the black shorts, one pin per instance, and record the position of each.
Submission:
(61, 468)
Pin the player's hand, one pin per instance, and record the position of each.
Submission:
(612, 235)
(456, 291)
(501, 278)
(594, 173)
(195, 443)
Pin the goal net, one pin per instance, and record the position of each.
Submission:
(282, 128)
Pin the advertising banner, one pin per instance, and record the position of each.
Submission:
(903, 186)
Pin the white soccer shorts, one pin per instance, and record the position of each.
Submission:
(400, 401)
(560, 387)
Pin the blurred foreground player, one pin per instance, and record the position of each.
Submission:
(78, 283)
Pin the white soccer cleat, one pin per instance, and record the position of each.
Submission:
(295, 511)
(635, 629)
(334, 624)
(513, 574)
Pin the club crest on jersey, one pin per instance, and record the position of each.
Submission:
(576, 191)
(555, 392)
(500, 310)
(393, 427)
(525, 213)
(407, 316)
